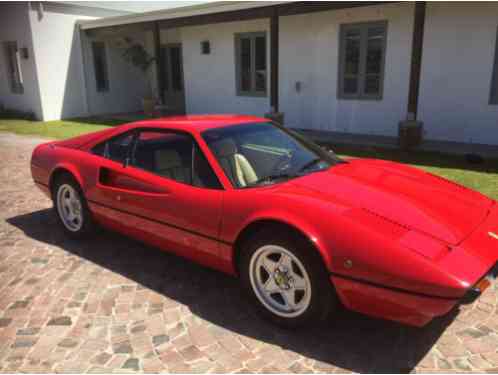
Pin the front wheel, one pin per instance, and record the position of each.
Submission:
(284, 275)
(71, 207)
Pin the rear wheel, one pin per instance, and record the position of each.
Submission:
(284, 275)
(71, 207)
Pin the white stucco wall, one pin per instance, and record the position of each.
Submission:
(457, 61)
(127, 84)
(210, 79)
(58, 59)
(309, 53)
(15, 26)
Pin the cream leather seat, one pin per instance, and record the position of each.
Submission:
(169, 164)
(236, 166)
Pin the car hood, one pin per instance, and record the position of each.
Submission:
(408, 196)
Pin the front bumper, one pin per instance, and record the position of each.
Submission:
(474, 262)
(386, 303)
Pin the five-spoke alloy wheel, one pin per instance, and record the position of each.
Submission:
(285, 275)
(280, 281)
(71, 207)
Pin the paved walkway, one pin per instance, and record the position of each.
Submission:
(113, 305)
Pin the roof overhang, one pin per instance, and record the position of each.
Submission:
(177, 13)
(221, 11)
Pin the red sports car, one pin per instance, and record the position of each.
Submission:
(302, 229)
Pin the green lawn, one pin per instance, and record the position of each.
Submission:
(56, 129)
(481, 177)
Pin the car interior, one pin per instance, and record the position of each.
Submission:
(244, 163)
(174, 156)
(236, 166)
(177, 157)
(171, 155)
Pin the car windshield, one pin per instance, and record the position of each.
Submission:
(259, 154)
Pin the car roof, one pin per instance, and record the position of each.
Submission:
(198, 123)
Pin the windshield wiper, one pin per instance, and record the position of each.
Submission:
(309, 164)
(271, 178)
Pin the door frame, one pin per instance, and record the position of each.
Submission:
(168, 83)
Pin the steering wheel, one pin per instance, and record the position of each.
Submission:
(282, 163)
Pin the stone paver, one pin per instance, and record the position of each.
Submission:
(110, 304)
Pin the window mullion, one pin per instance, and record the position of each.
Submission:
(253, 64)
(363, 62)
(238, 62)
(342, 61)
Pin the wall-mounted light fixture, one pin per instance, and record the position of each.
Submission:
(205, 47)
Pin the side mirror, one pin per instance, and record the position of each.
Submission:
(126, 162)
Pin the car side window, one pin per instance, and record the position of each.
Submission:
(116, 148)
(175, 156)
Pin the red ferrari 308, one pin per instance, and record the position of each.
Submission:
(301, 228)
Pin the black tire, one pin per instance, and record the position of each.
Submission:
(323, 297)
(87, 226)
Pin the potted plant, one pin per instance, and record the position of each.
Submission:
(137, 55)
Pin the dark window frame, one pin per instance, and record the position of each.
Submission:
(238, 64)
(101, 83)
(363, 28)
(493, 92)
(13, 65)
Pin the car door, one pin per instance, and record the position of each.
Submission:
(153, 191)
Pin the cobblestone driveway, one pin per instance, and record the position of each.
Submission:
(111, 304)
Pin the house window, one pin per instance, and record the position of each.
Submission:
(493, 98)
(100, 66)
(251, 66)
(13, 65)
(362, 50)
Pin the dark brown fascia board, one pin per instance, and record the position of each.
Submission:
(302, 7)
(206, 19)
(288, 9)
(299, 7)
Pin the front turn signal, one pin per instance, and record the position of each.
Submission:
(483, 284)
